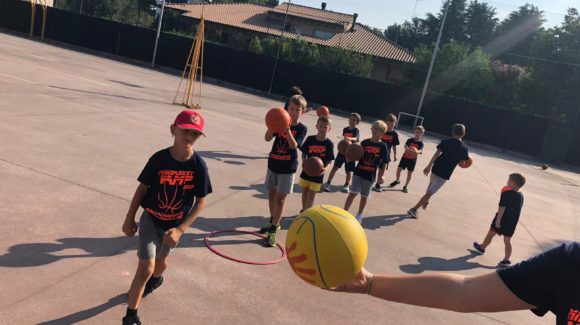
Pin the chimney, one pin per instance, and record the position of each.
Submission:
(354, 16)
(323, 6)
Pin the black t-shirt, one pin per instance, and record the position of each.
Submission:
(549, 281)
(321, 149)
(412, 143)
(391, 138)
(452, 152)
(374, 154)
(173, 185)
(282, 159)
(348, 133)
(512, 201)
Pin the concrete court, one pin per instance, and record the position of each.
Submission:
(76, 130)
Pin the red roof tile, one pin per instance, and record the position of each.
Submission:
(255, 18)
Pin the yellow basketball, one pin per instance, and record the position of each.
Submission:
(326, 246)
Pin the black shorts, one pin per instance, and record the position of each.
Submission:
(341, 159)
(507, 228)
(408, 164)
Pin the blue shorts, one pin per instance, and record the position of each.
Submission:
(341, 159)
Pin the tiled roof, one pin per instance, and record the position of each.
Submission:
(255, 18)
(314, 13)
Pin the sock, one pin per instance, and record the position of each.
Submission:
(271, 219)
(345, 184)
(274, 228)
(131, 312)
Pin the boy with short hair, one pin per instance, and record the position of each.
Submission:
(172, 190)
(376, 154)
(391, 139)
(408, 162)
(320, 146)
(352, 134)
(282, 165)
(449, 153)
(507, 217)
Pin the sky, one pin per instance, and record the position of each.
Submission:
(382, 13)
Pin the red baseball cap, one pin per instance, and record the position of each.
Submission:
(191, 120)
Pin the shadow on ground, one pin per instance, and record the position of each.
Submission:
(36, 254)
(442, 264)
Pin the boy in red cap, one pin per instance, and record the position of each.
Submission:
(172, 189)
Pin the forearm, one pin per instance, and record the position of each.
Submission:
(500, 213)
(140, 193)
(192, 215)
(443, 291)
(269, 135)
(435, 156)
(292, 144)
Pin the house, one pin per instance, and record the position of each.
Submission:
(319, 26)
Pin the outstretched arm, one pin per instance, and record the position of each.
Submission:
(466, 294)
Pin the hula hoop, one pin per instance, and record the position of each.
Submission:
(217, 252)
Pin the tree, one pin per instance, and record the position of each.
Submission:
(519, 29)
(255, 45)
(480, 23)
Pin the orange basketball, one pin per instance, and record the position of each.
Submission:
(505, 188)
(411, 153)
(322, 111)
(278, 120)
(342, 146)
(354, 152)
(313, 166)
(466, 163)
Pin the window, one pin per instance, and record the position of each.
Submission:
(323, 34)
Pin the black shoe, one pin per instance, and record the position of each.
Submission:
(395, 183)
(504, 263)
(269, 226)
(478, 248)
(151, 285)
(131, 320)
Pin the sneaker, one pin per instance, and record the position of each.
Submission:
(359, 218)
(131, 320)
(504, 263)
(325, 187)
(151, 285)
(271, 240)
(377, 188)
(413, 213)
(345, 189)
(395, 183)
(405, 190)
(478, 248)
(266, 228)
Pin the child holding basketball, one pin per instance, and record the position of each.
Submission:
(376, 153)
(391, 139)
(506, 218)
(413, 147)
(172, 190)
(320, 146)
(282, 165)
(352, 134)
(449, 153)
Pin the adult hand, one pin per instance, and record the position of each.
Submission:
(360, 284)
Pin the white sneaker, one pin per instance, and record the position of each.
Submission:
(345, 189)
(359, 218)
(413, 213)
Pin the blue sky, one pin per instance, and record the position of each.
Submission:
(382, 13)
